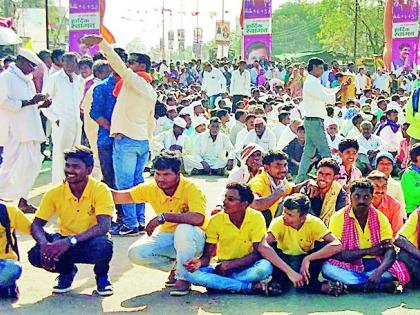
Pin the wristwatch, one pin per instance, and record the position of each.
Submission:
(161, 218)
(73, 240)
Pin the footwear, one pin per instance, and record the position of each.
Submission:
(142, 228)
(11, 292)
(115, 228)
(65, 281)
(181, 288)
(171, 280)
(128, 231)
(104, 286)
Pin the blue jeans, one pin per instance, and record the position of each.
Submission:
(350, 277)
(10, 271)
(165, 251)
(237, 281)
(129, 158)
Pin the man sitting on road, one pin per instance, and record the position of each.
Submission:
(367, 261)
(83, 240)
(180, 208)
(234, 234)
(299, 254)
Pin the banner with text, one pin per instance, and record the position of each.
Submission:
(405, 38)
(256, 41)
(84, 19)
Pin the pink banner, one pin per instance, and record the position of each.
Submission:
(257, 47)
(84, 19)
(405, 40)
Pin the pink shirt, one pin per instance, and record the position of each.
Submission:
(345, 179)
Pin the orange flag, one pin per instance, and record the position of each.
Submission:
(105, 32)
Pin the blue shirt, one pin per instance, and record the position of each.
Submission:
(103, 106)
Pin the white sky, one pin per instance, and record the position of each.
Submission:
(128, 19)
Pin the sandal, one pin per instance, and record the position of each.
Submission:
(181, 292)
(335, 288)
(270, 288)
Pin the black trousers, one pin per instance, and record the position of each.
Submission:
(97, 251)
(295, 262)
(236, 99)
(413, 265)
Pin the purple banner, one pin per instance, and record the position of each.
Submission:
(254, 9)
(84, 20)
(405, 41)
(257, 47)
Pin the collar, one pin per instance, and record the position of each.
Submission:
(69, 195)
(247, 219)
(19, 73)
(64, 75)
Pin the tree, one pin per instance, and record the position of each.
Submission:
(136, 45)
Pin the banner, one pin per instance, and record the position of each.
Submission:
(171, 38)
(256, 41)
(181, 39)
(222, 32)
(405, 40)
(198, 35)
(84, 19)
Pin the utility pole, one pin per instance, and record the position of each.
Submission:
(6, 6)
(47, 22)
(163, 31)
(356, 17)
(223, 21)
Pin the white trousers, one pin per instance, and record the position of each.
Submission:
(22, 162)
(64, 137)
(192, 161)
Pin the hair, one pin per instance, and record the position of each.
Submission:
(375, 175)
(395, 97)
(403, 45)
(239, 113)
(314, 62)
(57, 54)
(9, 59)
(300, 128)
(347, 144)
(245, 192)
(356, 119)
(361, 183)
(86, 61)
(215, 120)
(70, 55)
(257, 45)
(122, 53)
(98, 56)
(143, 59)
(330, 111)
(365, 124)
(99, 66)
(167, 161)
(82, 153)
(415, 152)
(331, 163)
(274, 155)
(299, 202)
(44, 54)
(242, 62)
(221, 113)
(391, 111)
(250, 116)
(283, 115)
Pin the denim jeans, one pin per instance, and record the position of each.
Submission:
(350, 277)
(97, 251)
(163, 250)
(129, 158)
(315, 142)
(10, 271)
(236, 281)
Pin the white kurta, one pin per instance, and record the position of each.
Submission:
(66, 97)
(167, 139)
(267, 141)
(21, 134)
(215, 153)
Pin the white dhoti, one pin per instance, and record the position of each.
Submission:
(22, 162)
(64, 137)
(193, 161)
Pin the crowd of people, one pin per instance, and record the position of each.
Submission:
(322, 165)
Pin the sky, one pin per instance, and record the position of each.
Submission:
(128, 19)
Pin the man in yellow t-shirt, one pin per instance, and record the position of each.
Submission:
(408, 240)
(11, 219)
(84, 207)
(234, 234)
(270, 187)
(180, 207)
(303, 244)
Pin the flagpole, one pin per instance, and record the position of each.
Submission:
(47, 33)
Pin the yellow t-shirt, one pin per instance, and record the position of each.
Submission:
(187, 198)
(409, 229)
(337, 223)
(76, 216)
(261, 186)
(233, 243)
(18, 221)
(298, 242)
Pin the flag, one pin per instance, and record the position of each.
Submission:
(105, 32)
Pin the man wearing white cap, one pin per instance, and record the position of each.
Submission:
(172, 140)
(261, 135)
(251, 162)
(165, 123)
(200, 126)
(21, 132)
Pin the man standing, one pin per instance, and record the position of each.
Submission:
(21, 132)
(65, 88)
(132, 126)
(240, 85)
(214, 83)
(315, 97)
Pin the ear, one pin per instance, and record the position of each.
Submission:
(266, 168)
(89, 170)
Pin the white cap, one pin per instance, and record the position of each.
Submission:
(185, 111)
(29, 55)
(180, 122)
(196, 103)
(200, 120)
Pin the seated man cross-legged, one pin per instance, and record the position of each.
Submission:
(180, 207)
(303, 244)
(234, 234)
(84, 208)
(367, 262)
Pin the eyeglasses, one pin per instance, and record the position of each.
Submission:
(231, 199)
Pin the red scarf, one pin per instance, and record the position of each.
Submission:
(118, 86)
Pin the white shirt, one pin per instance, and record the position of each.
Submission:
(381, 81)
(209, 150)
(278, 130)
(362, 80)
(286, 137)
(240, 84)
(235, 130)
(240, 139)
(371, 144)
(390, 140)
(163, 68)
(315, 97)
(333, 144)
(267, 141)
(66, 97)
(23, 122)
(167, 139)
(214, 82)
(354, 133)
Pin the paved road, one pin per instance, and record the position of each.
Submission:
(140, 290)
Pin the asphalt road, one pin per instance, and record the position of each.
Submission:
(141, 290)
